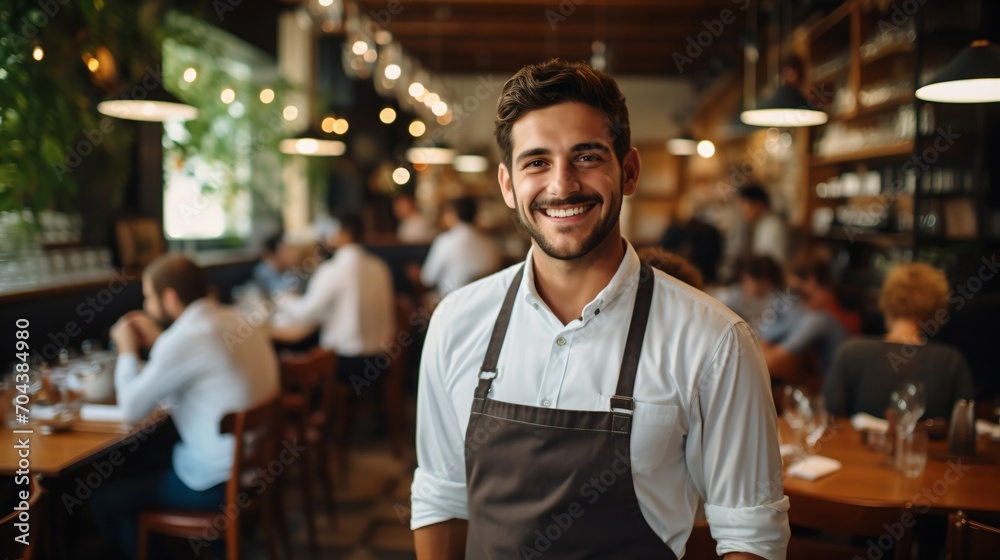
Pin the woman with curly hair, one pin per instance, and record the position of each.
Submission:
(866, 371)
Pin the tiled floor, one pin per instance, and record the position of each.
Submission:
(372, 511)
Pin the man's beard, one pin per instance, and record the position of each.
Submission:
(597, 235)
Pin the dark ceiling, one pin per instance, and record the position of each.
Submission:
(478, 36)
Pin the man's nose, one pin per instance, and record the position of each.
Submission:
(564, 179)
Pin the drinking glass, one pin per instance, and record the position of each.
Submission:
(816, 424)
(916, 397)
(911, 453)
(796, 411)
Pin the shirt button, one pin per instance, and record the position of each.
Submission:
(546, 403)
(561, 342)
(535, 305)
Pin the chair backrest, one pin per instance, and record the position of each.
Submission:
(971, 540)
(302, 373)
(881, 528)
(9, 532)
(256, 432)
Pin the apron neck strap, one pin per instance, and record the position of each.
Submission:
(496, 339)
(633, 343)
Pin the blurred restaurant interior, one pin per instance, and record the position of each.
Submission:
(799, 152)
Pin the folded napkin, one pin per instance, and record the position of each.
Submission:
(863, 422)
(989, 429)
(102, 413)
(814, 467)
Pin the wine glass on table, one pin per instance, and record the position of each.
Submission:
(795, 409)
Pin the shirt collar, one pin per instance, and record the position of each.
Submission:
(626, 275)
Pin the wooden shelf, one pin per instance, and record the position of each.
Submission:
(899, 48)
(839, 233)
(829, 75)
(891, 150)
(893, 103)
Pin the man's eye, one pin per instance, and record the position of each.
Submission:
(589, 158)
(536, 163)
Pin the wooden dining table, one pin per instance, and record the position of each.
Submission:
(867, 477)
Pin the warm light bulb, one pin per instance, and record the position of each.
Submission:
(400, 176)
(431, 98)
(190, 75)
(360, 47)
(706, 149)
(387, 115)
(306, 146)
(417, 128)
(93, 64)
(266, 95)
(290, 113)
(328, 124)
(439, 108)
(340, 126)
(416, 89)
(370, 56)
(38, 53)
(392, 71)
(228, 96)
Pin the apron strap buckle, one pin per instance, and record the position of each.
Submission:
(623, 404)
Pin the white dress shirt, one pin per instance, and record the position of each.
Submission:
(770, 238)
(350, 297)
(210, 362)
(415, 229)
(459, 256)
(704, 425)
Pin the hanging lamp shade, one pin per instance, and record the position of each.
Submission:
(145, 101)
(786, 108)
(312, 142)
(683, 145)
(973, 76)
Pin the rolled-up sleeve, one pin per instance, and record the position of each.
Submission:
(733, 453)
(438, 491)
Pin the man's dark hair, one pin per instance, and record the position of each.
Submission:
(756, 193)
(465, 208)
(272, 242)
(353, 225)
(538, 86)
(177, 272)
(763, 268)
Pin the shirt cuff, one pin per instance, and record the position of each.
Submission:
(761, 530)
(433, 500)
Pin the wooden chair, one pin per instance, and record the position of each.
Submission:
(392, 382)
(302, 376)
(970, 540)
(8, 532)
(256, 433)
(846, 521)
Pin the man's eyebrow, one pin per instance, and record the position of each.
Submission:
(532, 153)
(591, 146)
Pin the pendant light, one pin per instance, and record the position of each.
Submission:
(312, 142)
(973, 76)
(147, 100)
(787, 107)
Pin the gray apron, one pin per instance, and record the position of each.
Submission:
(556, 484)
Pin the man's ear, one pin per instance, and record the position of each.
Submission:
(171, 303)
(631, 166)
(506, 186)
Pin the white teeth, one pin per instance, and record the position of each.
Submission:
(565, 213)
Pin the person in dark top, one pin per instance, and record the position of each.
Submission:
(866, 371)
(697, 241)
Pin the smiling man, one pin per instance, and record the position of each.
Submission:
(581, 405)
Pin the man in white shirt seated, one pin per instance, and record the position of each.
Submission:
(462, 254)
(350, 297)
(205, 361)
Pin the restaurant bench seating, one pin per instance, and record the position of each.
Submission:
(256, 432)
